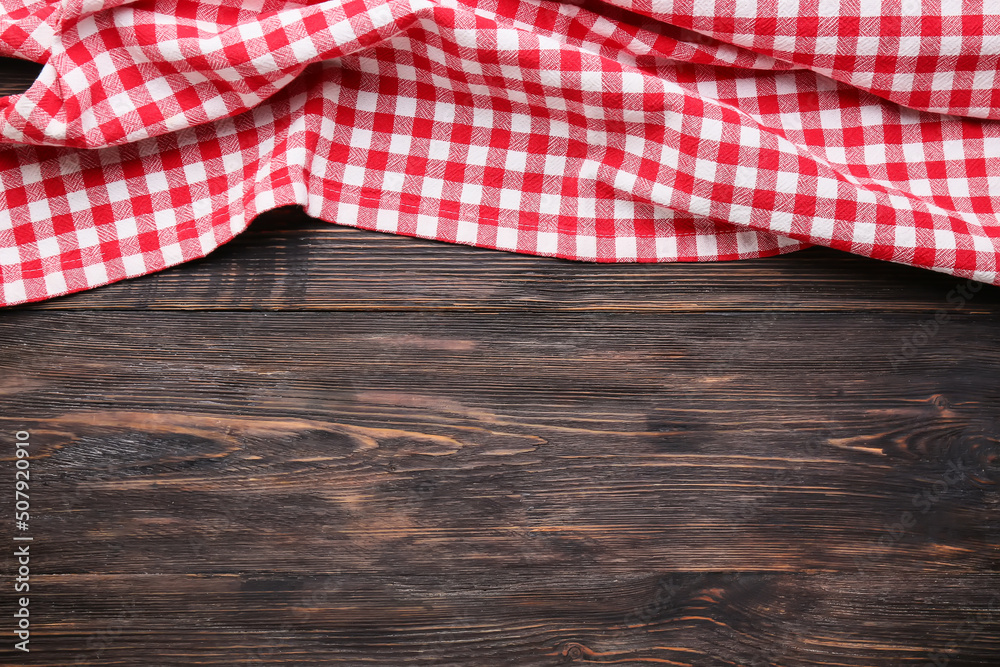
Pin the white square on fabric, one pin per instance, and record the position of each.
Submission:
(405, 106)
(55, 283)
(909, 46)
(472, 193)
(625, 247)
(30, 173)
(555, 165)
(827, 46)
(586, 246)
(86, 237)
(549, 204)
(467, 232)
(869, 8)
(477, 155)
(304, 49)
(944, 239)
(95, 274)
(427, 226)
(361, 138)
(39, 210)
(438, 150)
(126, 229)
(864, 232)
(516, 161)
(387, 220)
(164, 219)
(400, 144)
(905, 237)
(9, 255)
(118, 191)
(14, 291)
(510, 199)
(354, 175)
(507, 39)
(624, 209)
(47, 247)
(547, 243)
(393, 181)
(432, 188)
(591, 81)
(983, 244)
(666, 247)
(821, 228)
(507, 238)
(172, 254)
(747, 242)
(706, 246)
(958, 187)
(787, 182)
(747, 9)
(135, 265)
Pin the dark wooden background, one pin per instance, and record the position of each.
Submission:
(327, 446)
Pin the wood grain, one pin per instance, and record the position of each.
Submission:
(16, 76)
(321, 445)
(466, 488)
(556, 617)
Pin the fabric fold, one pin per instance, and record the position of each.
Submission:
(939, 55)
(590, 131)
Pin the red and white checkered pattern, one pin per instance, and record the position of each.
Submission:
(648, 131)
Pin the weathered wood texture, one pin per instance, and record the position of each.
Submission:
(17, 75)
(326, 446)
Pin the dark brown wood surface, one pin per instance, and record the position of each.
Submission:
(326, 446)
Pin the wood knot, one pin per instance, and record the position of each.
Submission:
(574, 651)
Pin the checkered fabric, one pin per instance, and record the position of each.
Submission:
(615, 131)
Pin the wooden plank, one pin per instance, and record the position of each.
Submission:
(778, 456)
(510, 489)
(484, 458)
(528, 617)
(16, 76)
(287, 261)
(146, 491)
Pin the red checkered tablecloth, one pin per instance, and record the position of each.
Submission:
(613, 131)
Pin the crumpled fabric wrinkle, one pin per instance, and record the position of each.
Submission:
(609, 131)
